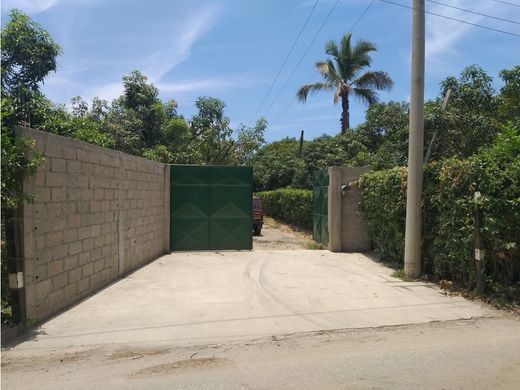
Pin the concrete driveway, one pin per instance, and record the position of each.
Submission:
(212, 297)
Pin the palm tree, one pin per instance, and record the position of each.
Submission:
(344, 76)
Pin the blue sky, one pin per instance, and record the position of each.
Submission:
(232, 50)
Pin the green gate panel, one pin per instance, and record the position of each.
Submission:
(320, 231)
(210, 207)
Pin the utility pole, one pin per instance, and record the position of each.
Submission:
(412, 245)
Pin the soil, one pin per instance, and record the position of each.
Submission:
(276, 235)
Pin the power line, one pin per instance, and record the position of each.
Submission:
(474, 12)
(316, 72)
(287, 57)
(454, 19)
(303, 56)
(506, 2)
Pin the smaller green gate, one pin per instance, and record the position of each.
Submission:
(320, 231)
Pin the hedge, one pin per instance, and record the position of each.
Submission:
(448, 204)
(289, 205)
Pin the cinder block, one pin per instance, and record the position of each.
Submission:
(41, 273)
(54, 238)
(69, 152)
(82, 181)
(59, 194)
(43, 288)
(82, 206)
(70, 262)
(52, 210)
(87, 269)
(98, 218)
(95, 230)
(74, 166)
(106, 275)
(53, 149)
(58, 165)
(70, 291)
(74, 275)
(39, 179)
(105, 250)
(98, 241)
(95, 254)
(55, 267)
(95, 206)
(56, 179)
(87, 244)
(42, 194)
(83, 284)
(87, 169)
(95, 280)
(74, 220)
(75, 247)
(99, 265)
(84, 232)
(60, 251)
(84, 258)
(86, 194)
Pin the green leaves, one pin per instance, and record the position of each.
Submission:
(448, 206)
(343, 74)
(28, 53)
(289, 205)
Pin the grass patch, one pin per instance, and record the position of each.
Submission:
(313, 245)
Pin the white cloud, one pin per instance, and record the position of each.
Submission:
(202, 85)
(178, 48)
(30, 6)
(108, 91)
(443, 36)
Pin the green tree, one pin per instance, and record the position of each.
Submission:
(468, 123)
(211, 132)
(135, 119)
(28, 55)
(509, 97)
(344, 73)
(276, 164)
(248, 141)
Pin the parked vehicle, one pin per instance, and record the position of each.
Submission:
(258, 216)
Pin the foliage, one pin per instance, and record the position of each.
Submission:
(28, 54)
(508, 100)
(292, 206)
(383, 203)
(448, 206)
(276, 164)
(343, 75)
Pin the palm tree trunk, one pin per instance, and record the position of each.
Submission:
(345, 114)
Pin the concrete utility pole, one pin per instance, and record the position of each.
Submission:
(412, 246)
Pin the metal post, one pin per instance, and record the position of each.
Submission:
(412, 248)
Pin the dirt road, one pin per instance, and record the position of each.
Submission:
(467, 354)
(276, 235)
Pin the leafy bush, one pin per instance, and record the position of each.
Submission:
(383, 203)
(289, 205)
(448, 205)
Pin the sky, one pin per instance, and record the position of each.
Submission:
(233, 49)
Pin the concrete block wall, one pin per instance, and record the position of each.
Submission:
(97, 214)
(348, 231)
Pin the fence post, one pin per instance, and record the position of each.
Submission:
(479, 253)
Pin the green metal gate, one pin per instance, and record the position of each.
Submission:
(210, 207)
(320, 231)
